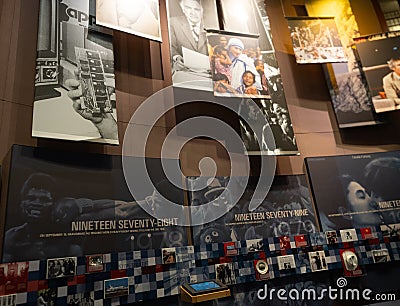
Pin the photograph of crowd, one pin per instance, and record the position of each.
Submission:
(316, 40)
(237, 66)
(268, 130)
(225, 273)
(47, 297)
(81, 299)
(13, 277)
(61, 267)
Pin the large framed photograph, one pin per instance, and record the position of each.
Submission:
(316, 40)
(266, 128)
(356, 193)
(75, 81)
(50, 213)
(239, 16)
(187, 21)
(379, 56)
(347, 86)
(141, 18)
(234, 62)
(286, 210)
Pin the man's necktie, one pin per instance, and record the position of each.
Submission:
(195, 31)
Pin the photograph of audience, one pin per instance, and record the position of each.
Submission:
(273, 132)
(316, 40)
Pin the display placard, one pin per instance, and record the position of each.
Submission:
(60, 204)
(286, 210)
(355, 191)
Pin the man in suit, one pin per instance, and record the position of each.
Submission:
(187, 31)
(391, 82)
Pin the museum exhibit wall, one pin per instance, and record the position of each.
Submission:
(142, 68)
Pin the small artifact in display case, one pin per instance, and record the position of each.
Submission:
(380, 255)
(331, 237)
(286, 262)
(94, 263)
(230, 249)
(61, 267)
(254, 245)
(261, 269)
(116, 287)
(95, 95)
(348, 235)
(318, 261)
(301, 241)
(169, 255)
(350, 262)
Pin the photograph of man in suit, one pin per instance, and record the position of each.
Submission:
(391, 82)
(187, 31)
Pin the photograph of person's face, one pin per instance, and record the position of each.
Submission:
(192, 10)
(37, 204)
(127, 13)
(396, 67)
(360, 201)
(248, 79)
(235, 50)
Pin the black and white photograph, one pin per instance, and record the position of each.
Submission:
(380, 59)
(225, 273)
(8, 300)
(50, 214)
(381, 255)
(331, 237)
(81, 299)
(47, 297)
(94, 263)
(348, 235)
(317, 261)
(116, 287)
(316, 40)
(285, 210)
(286, 262)
(355, 194)
(187, 23)
(168, 255)
(255, 245)
(74, 82)
(138, 17)
(268, 129)
(317, 238)
(234, 60)
(239, 16)
(61, 267)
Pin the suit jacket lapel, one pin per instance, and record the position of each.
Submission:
(187, 31)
